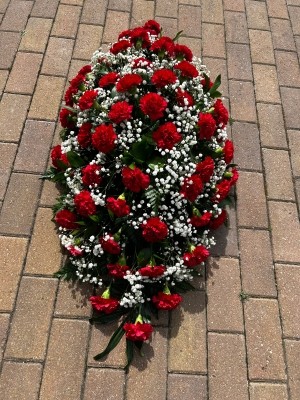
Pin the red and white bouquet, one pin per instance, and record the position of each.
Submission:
(145, 163)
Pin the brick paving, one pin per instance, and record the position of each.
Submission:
(237, 336)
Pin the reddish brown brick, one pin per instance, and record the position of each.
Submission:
(50, 193)
(191, 2)
(185, 15)
(9, 42)
(13, 110)
(293, 2)
(72, 299)
(88, 40)
(294, 143)
(4, 324)
(36, 36)
(8, 152)
(73, 2)
(193, 43)
(290, 100)
(58, 56)
(271, 120)
(65, 360)
(252, 211)
(16, 15)
(224, 308)
(218, 66)
(166, 8)
(66, 21)
(46, 106)
(236, 27)
(242, 101)
(234, 5)
(267, 391)
(19, 204)
(3, 5)
(277, 9)
(114, 21)
(188, 321)
(247, 146)
(264, 343)
(44, 8)
(261, 47)
(13, 251)
(143, 10)
(292, 349)
(31, 321)
(89, 16)
(192, 387)
(212, 11)
(120, 5)
(143, 377)
(239, 61)
(20, 381)
(3, 79)
(104, 383)
(288, 76)
(257, 16)
(266, 83)
(256, 263)
(282, 34)
(227, 372)
(289, 297)
(295, 17)
(213, 40)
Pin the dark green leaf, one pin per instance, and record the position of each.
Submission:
(216, 84)
(183, 287)
(177, 36)
(75, 160)
(114, 341)
(95, 218)
(141, 151)
(67, 272)
(129, 353)
(107, 318)
(144, 256)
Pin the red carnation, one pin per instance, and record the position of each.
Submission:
(184, 98)
(223, 189)
(152, 271)
(103, 139)
(85, 204)
(107, 306)
(110, 245)
(141, 62)
(205, 169)
(207, 126)
(220, 113)
(75, 251)
(120, 111)
(181, 51)
(206, 83)
(67, 219)
(163, 44)
(187, 69)
(152, 26)
(164, 301)
(192, 187)
(108, 79)
(128, 82)
(124, 34)
(153, 105)
(235, 177)
(84, 136)
(166, 136)
(196, 257)
(118, 207)
(120, 46)
(85, 69)
(117, 270)
(154, 230)
(65, 117)
(163, 77)
(216, 222)
(86, 101)
(58, 157)
(138, 332)
(134, 179)
(91, 175)
(70, 92)
(77, 81)
(228, 151)
(203, 220)
(140, 35)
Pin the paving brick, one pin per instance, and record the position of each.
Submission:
(294, 143)
(227, 373)
(73, 2)
(58, 56)
(66, 21)
(24, 73)
(242, 101)
(169, 25)
(277, 8)
(13, 251)
(191, 2)
(20, 381)
(19, 204)
(3, 5)
(65, 360)
(234, 5)
(9, 42)
(297, 188)
(46, 107)
(187, 342)
(142, 11)
(297, 41)
(192, 387)
(166, 8)
(187, 13)
(13, 110)
(282, 34)
(271, 120)
(212, 11)
(224, 308)
(218, 66)
(261, 47)
(292, 349)
(3, 79)
(88, 40)
(8, 152)
(142, 376)
(104, 383)
(267, 391)
(32, 317)
(293, 2)
(290, 100)
(50, 193)
(288, 76)
(213, 40)
(257, 16)
(236, 27)
(289, 296)
(72, 299)
(75, 66)
(285, 231)
(4, 324)
(252, 211)
(266, 83)
(247, 146)
(239, 61)
(89, 16)
(264, 343)
(121, 5)
(295, 17)
(115, 21)
(36, 36)
(256, 263)
(16, 15)
(193, 43)
(44, 8)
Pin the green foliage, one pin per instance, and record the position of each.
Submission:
(153, 196)
(114, 341)
(183, 287)
(67, 272)
(75, 160)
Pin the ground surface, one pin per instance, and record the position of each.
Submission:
(216, 346)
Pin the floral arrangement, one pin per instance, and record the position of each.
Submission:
(145, 163)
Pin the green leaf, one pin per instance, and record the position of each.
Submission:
(129, 353)
(75, 160)
(114, 341)
(144, 256)
(153, 196)
(62, 133)
(183, 287)
(156, 161)
(95, 218)
(216, 94)
(141, 151)
(107, 318)
(216, 84)
(177, 36)
(67, 272)
(73, 110)
(231, 121)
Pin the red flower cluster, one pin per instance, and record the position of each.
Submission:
(87, 99)
(91, 175)
(138, 332)
(120, 112)
(207, 126)
(152, 271)
(110, 245)
(163, 77)
(104, 137)
(129, 82)
(66, 219)
(59, 159)
(134, 179)
(107, 306)
(166, 136)
(192, 187)
(153, 105)
(118, 207)
(117, 270)
(84, 204)
(154, 230)
(84, 135)
(196, 257)
(164, 301)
